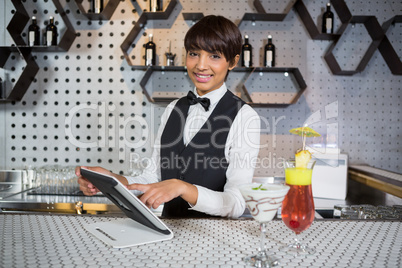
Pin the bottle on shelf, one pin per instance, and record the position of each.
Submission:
(247, 53)
(33, 33)
(97, 6)
(170, 57)
(150, 52)
(2, 94)
(328, 21)
(269, 53)
(155, 5)
(51, 33)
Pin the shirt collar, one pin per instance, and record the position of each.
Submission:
(214, 96)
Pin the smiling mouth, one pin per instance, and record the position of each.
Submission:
(203, 77)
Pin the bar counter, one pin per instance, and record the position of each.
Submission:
(42, 231)
(37, 240)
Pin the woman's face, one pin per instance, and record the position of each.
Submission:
(207, 70)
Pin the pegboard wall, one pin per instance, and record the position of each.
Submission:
(86, 106)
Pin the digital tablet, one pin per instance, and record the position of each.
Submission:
(143, 227)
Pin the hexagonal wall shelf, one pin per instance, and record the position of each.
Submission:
(17, 24)
(160, 92)
(262, 15)
(20, 20)
(106, 13)
(387, 50)
(340, 8)
(291, 77)
(376, 33)
(165, 96)
(142, 21)
(193, 16)
(27, 76)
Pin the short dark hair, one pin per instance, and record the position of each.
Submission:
(215, 34)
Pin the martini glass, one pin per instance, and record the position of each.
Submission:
(263, 201)
(298, 207)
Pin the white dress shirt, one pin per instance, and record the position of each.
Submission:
(241, 151)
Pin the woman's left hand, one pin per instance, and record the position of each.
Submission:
(158, 193)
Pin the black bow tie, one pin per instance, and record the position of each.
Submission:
(192, 99)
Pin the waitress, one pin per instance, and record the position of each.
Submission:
(207, 141)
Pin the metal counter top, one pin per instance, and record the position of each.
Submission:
(31, 240)
(57, 203)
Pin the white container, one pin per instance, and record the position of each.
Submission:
(330, 176)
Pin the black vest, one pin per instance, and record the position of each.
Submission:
(202, 161)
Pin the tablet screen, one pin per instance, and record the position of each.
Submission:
(125, 200)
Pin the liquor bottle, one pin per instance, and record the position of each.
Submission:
(97, 6)
(2, 94)
(155, 5)
(150, 52)
(328, 21)
(247, 53)
(51, 33)
(33, 33)
(170, 56)
(269, 53)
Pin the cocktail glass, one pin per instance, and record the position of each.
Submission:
(263, 201)
(298, 206)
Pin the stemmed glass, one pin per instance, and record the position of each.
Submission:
(298, 207)
(263, 201)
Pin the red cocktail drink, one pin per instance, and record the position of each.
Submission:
(298, 208)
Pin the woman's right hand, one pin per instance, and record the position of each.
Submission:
(87, 187)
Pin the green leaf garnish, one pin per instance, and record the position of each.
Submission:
(259, 188)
